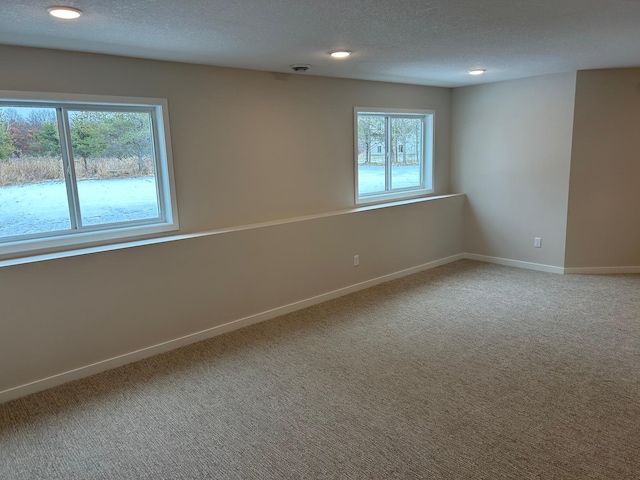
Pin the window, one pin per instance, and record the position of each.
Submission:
(394, 154)
(78, 170)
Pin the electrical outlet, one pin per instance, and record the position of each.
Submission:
(537, 242)
(356, 260)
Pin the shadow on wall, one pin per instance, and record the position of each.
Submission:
(476, 239)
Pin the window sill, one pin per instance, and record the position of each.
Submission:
(172, 238)
(393, 197)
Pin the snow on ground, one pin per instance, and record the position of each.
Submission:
(371, 177)
(42, 207)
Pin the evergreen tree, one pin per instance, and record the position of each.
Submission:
(129, 135)
(47, 140)
(88, 135)
(6, 142)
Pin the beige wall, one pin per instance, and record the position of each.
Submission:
(511, 151)
(247, 147)
(604, 194)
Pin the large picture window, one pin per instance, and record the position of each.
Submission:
(82, 170)
(394, 154)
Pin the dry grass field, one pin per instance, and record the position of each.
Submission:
(30, 170)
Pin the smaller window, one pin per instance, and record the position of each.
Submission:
(393, 154)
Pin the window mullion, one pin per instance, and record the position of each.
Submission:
(69, 169)
(387, 160)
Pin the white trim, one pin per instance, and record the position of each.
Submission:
(601, 270)
(137, 243)
(79, 98)
(551, 268)
(92, 369)
(398, 195)
(515, 263)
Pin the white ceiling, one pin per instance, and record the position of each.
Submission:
(424, 42)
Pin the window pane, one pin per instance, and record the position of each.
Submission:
(33, 195)
(406, 152)
(371, 154)
(114, 165)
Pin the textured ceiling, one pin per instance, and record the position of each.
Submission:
(425, 42)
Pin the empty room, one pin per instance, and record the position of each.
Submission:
(313, 240)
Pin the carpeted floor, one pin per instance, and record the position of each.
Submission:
(467, 371)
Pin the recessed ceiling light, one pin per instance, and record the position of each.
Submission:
(340, 53)
(66, 13)
(477, 71)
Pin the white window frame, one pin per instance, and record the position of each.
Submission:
(105, 234)
(426, 172)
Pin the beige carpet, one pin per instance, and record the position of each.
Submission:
(467, 371)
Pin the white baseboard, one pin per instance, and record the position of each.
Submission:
(552, 269)
(601, 270)
(92, 369)
(515, 263)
